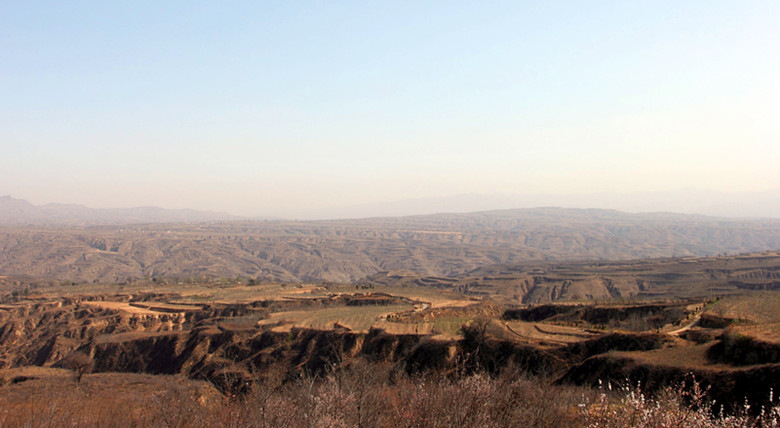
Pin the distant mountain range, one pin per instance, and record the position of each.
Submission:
(686, 201)
(691, 201)
(20, 212)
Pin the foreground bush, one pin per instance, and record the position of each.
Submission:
(373, 395)
(683, 406)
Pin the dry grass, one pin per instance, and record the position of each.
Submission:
(434, 297)
(769, 332)
(757, 307)
(447, 327)
(684, 355)
(398, 328)
(450, 326)
(104, 399)
(356, 318)
(359, 395)
(245, 294)
(757, 314)
(121, 306)
(192, 293)
(167, 307)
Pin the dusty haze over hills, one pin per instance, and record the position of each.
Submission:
(20, 212)
(710, 203)
(350, 250)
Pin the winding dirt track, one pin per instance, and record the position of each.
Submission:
(687, 327)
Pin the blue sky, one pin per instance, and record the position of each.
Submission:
(270, 108)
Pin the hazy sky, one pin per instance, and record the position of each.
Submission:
(270, 108)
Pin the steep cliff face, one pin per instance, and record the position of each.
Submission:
(42, 333)
(207, 343)
(135, 336)
(210, 352)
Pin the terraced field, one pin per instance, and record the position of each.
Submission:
(357, 318)
(547, 333)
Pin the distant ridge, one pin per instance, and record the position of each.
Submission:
(21, 212)
(764, 204)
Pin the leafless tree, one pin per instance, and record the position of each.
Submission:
(79, 362)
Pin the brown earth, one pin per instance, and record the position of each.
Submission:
(226, 343)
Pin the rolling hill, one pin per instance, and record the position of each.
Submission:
(350, 250)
